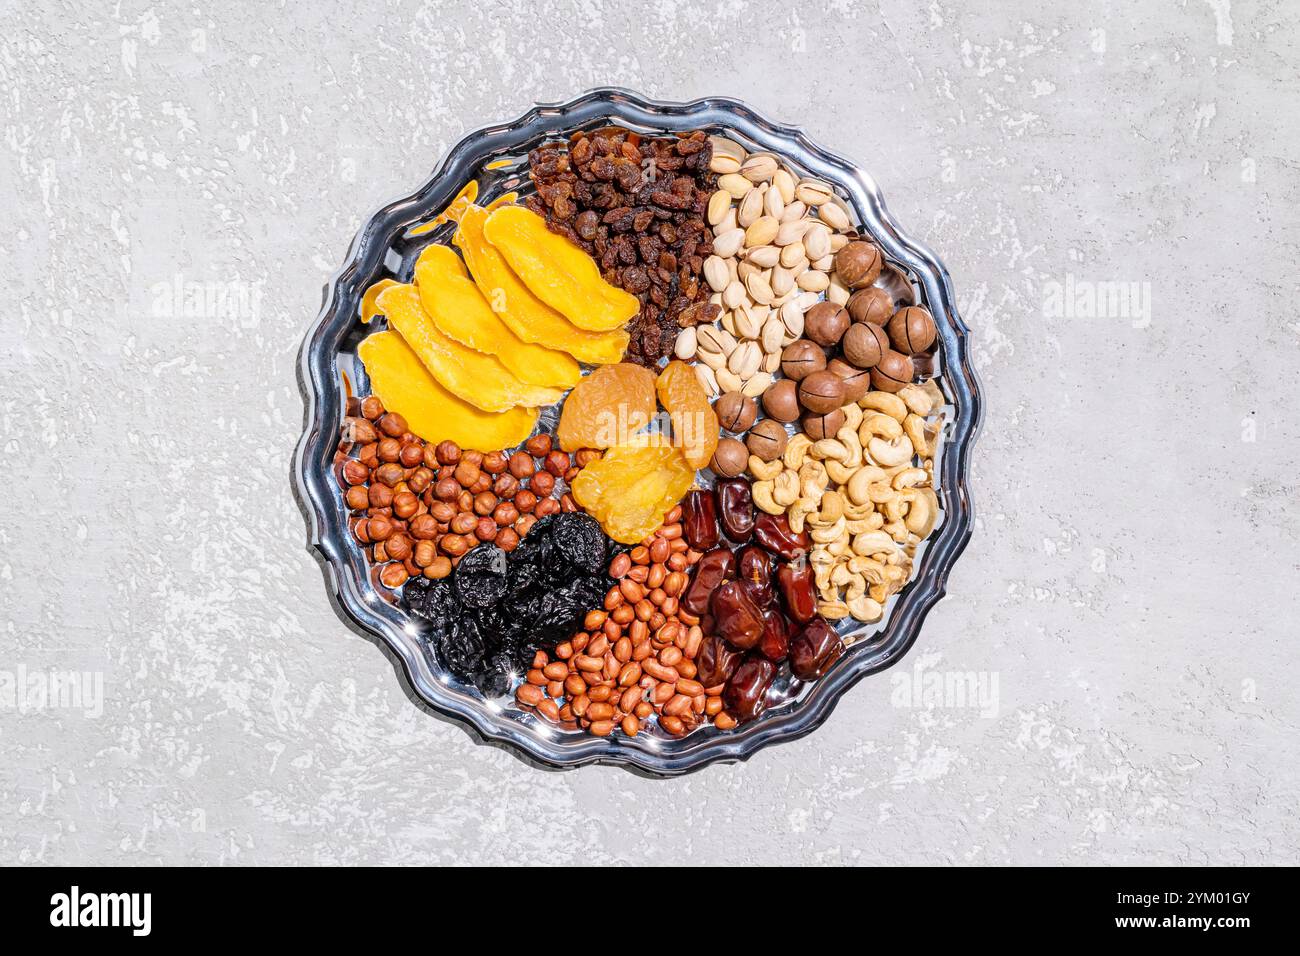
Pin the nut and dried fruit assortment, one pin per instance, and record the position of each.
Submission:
(743, 455)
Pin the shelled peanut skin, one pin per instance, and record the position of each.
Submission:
(635, 657)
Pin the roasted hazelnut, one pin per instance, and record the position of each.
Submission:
(369, 455)
(730, 458)
(431, 457)
(355, 473)
(440, 568)
(481, 484)
(767, 440)
(546, 506)
(379, 528)
(371, 407)
(825, 425)
(801, 358)
(521, 464)
(392, 424)
(360, 530)
(484, 502)
(419, 480)
(507, 539)
(585, 456)
(464, 501)
(857, 381)
(390, 473)
(453, 545)
(467, 473)
(389, 449)
(442, 512)
(424, 554)
(781, 400)
(494, 462)
(872, 304)
(735, 411)
(825, 323)
(893, 372)
(486, 529)
(393, 576)
(405, 504)
(568, 503)
(446, 489)
(864, 344)
(423, 527)
(858, 264)
(358, 431)
(911, 330)
(412, 455)
(463, 522)
(505, 486)
(525, 524)
(381, 496)
(398, 547)
(358, 498)
(821, 392)
(539, 446)
(505, 514)
(447, 453)
(542, 483)
(525, 500)
(557, 463)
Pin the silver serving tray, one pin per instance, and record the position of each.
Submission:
(329, 375)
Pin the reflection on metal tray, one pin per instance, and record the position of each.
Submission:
(387, 246)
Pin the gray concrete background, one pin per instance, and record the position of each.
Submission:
(1131, 585)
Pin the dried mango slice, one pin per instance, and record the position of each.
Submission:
(695, 423)
(405, 386)
(479, 379)
(557, 271)
(632, 487)
(528, 316)
(468, 193)
(370, 298)
(607, 407)
(459, 310)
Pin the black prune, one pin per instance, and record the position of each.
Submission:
(495, 610)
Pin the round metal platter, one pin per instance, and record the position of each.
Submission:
(330, 374)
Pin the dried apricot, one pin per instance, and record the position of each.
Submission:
(607, 407)
(632, 487)
(695, 424)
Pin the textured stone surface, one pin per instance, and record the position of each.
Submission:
(1131, 584)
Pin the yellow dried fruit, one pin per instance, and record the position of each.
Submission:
(632, 487)
(607, 407)
(695, 423)
(526, 315)
(473, 376)
(557, 271)
(405, 386)
(460, 312)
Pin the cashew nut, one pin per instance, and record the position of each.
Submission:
(891, 405)
(865, 609)
(832, 506)
(849, 438)
(828, 448)
(879, 426)
(917, 399)
(897, 530)
(871, 571)
(785, 488)
(764, 470)
(873, 542)
(761, 492)
(860, 482)
(923, 511)
(841, 575)
(852, 416)
(798, 512)
(824, 534)
(833, 610)
(854, 586)
(839, 472)
(910, 478)
(890, 453)
(796, 450)
(914, 426)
